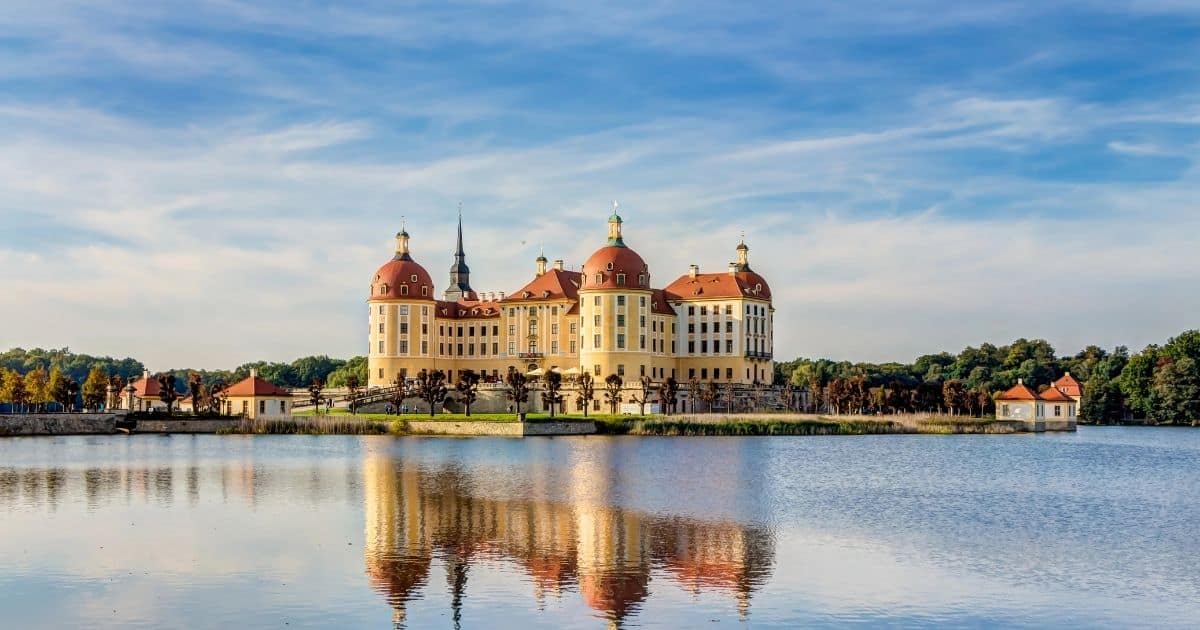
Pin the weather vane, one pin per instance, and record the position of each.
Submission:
(460, 209)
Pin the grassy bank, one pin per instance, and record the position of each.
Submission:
(702, 425)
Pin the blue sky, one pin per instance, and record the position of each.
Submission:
(209, 182)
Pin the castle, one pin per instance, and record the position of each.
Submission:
(605, 319)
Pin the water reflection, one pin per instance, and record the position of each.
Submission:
(585, 547)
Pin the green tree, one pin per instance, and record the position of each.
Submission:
(166, 391)
(1177, 392)
(195, 384)
(56, 388)
(518, 389)
(612, 392)
(585, 392)
(1137, 379)
(356, 366)
(552, 393)
(467, 388)
(353, 391)
(314, 394)
(668, 394)
(431, 388)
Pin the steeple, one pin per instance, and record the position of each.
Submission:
(614, 228)
(541, 262)
(460, 274)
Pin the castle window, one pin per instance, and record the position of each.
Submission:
(403, 328)
(380, 346)
(729, 373)
(383, 290)
(642, 301)
(729, 347)
(704, 310)
(729, 309)
(381, 309)
(512, 347)
(596, 341)
(495, 348)
(596, 319)
(704, 346)
(554, 328)
(609, 266)
(704, 373)
(643, 342)
(691, 310)
(729, 326)
(459, 333)
(599, 278)
(620, 279)
(641, 279)
(404, 289)
(460, 350)
(424, 311)
(404, 310)
(596, 369)
(424, 328)
(572, 350)
(691, 373)
(380, 372)
(620, 369)
(495, 330)
(424, 347)
(621, 320)
(381, 327)
(596, 301)
(572, 328)
(620, 300)
(691, 327)
(553, 347)
(620, 341)
(554, 310)
(691, 347)
(512, 330)
(642, 321)
(532, 347)
(404, 347)
(642, 370)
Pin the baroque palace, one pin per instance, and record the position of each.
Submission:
(605, 319)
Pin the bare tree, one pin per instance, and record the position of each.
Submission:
(400, 392)
(667, 395)
(518, 389)
(195, 390)
(166, 391)
(586, 392)
(644, 386)
(353, 390)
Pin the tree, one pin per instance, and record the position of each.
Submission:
(693, 390)
(216, 396)
(431, 388)
(518, 389)
(95, 389)
(1177, 392)
(954, 393)
(196, 391)
(166, 391)
(116, 385)
(14, 390)
(314, 394)
(710, 394)
(400, 392)
(356, 366)
(35, 388)
(667, 395)
(586, 391)
(353, 389)
(728, 396)
(552, 395)
(467, 388)
(56, 388)
(644, 387)
(1137, 380)
(612, 392)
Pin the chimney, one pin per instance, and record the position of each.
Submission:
(253, 372)
(733, 268)
(558, 264)
(693, 271)
(501, 295)
(146, 374)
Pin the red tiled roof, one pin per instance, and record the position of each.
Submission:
(399, 272)
(623, 260)
(555, 284)
(255, 386)
(1069, 385)
(1053, 395)
(741, 284)
(658, 303)
(1018, 392)
(466, 309)
(146, 387)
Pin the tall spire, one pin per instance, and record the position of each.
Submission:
(460, 274)
(402, 241)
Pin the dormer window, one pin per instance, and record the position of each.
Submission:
(425, 291)
(641, 279)
(609, 266)
(758, 288)
(620, 279)
(599, 278)
(414, 277)
(404, 289)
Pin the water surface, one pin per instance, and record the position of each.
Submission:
(1096, 529)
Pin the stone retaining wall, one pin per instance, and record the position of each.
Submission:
(58, 423)
(503, 429)
(186, 426)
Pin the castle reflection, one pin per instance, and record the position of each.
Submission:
(582, 543)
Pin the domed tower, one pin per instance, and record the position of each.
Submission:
(615, 308)
(401, 307)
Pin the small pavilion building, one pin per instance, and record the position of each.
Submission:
(1050, 410)
(255, 398)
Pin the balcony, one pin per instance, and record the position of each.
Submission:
(530, 355)
(750, 354)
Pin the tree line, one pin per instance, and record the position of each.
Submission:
(1160, 384)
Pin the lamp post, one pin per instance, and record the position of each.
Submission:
(130, 391)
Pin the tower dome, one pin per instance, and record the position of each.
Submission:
(401, 277)
(615, 265)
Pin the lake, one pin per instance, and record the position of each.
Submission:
(1095, 528)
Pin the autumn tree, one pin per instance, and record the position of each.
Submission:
(195, 387)
(56, 388)
(585, 392)
(467, 388)
(552, 393)
(14, 390)
(710, 394)
(954, 395)
(36, 392)
(431, 388)
(612, 392)
(95, 389)
(693, 391)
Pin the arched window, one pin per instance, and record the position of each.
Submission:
(610, 266)
(425, 291)
(620, 279)
(414, 277)
(404, 289)
(641, 279)
(599, 278)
